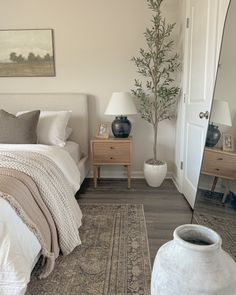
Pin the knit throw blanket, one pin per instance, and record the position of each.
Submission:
(55, 191)
(21, 192)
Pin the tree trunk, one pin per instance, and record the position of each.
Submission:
(155, 144)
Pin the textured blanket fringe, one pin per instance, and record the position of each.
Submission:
(49, 256)
(49, 264)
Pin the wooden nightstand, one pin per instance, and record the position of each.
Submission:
(112, 151)
(219, 163)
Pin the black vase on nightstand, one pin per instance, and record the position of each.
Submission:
(213, 135)
(121, 127)
(120, 105)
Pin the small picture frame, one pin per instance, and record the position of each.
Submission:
(228, 142)
(103, 130)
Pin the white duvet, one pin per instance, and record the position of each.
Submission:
(19, 248)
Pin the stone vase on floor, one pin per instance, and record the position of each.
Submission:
(193, 263)
(154, 174)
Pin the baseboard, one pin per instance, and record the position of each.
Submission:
(176, 182)
(122, 174)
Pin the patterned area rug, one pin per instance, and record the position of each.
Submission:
(225, 227)
(215, 198)
(113, 258)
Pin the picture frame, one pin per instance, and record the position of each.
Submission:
(228, 142)
(103, 130)
(27, 53)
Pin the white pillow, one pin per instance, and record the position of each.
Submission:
(68, 133)
(51, 128)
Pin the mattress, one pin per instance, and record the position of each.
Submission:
(17, 256)
(73, 149)
(81, 161)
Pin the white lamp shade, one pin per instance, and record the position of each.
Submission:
(121, 103)
(220, 113)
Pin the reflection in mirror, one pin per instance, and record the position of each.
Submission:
(220, 115)
(215, 204)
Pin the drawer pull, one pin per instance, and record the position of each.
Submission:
(217, 169)
(220, 159)
(112, 147)
(111, 158)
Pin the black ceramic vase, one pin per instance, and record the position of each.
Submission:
(213, 135)
(121, 127)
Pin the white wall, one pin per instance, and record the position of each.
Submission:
(94, 41)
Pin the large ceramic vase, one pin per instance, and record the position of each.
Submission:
(193, 263)
(155, 174)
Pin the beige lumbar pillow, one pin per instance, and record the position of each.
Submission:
(20, 129)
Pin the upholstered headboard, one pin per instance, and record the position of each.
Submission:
(76, 102)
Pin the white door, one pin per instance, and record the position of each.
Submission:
(201, 49)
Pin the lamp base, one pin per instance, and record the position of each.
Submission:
(121, 127)
(213, 135)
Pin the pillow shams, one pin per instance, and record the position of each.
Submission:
(52, 127)
(20, 129)
(68, 133)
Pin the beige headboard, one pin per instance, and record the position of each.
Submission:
(76, 102)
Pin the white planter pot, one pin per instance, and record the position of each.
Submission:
(184, 268)
(154, 174)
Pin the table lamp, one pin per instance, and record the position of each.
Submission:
(220, 114)
(121, 104)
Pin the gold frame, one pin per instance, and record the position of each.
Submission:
(228, 142)
(103, 130)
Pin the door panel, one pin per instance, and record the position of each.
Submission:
(202, 56)
(197, 51)
(195, 140)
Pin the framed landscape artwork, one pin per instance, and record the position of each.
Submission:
(27, 53)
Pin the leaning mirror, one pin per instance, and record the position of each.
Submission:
(215, 204)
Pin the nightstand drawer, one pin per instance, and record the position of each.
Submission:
(112, 151)
(219, 164)
(109, 152)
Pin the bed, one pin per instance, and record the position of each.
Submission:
(18, 255)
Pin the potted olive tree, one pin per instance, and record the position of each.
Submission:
(156, 93)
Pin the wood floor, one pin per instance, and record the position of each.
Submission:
(165, 208)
